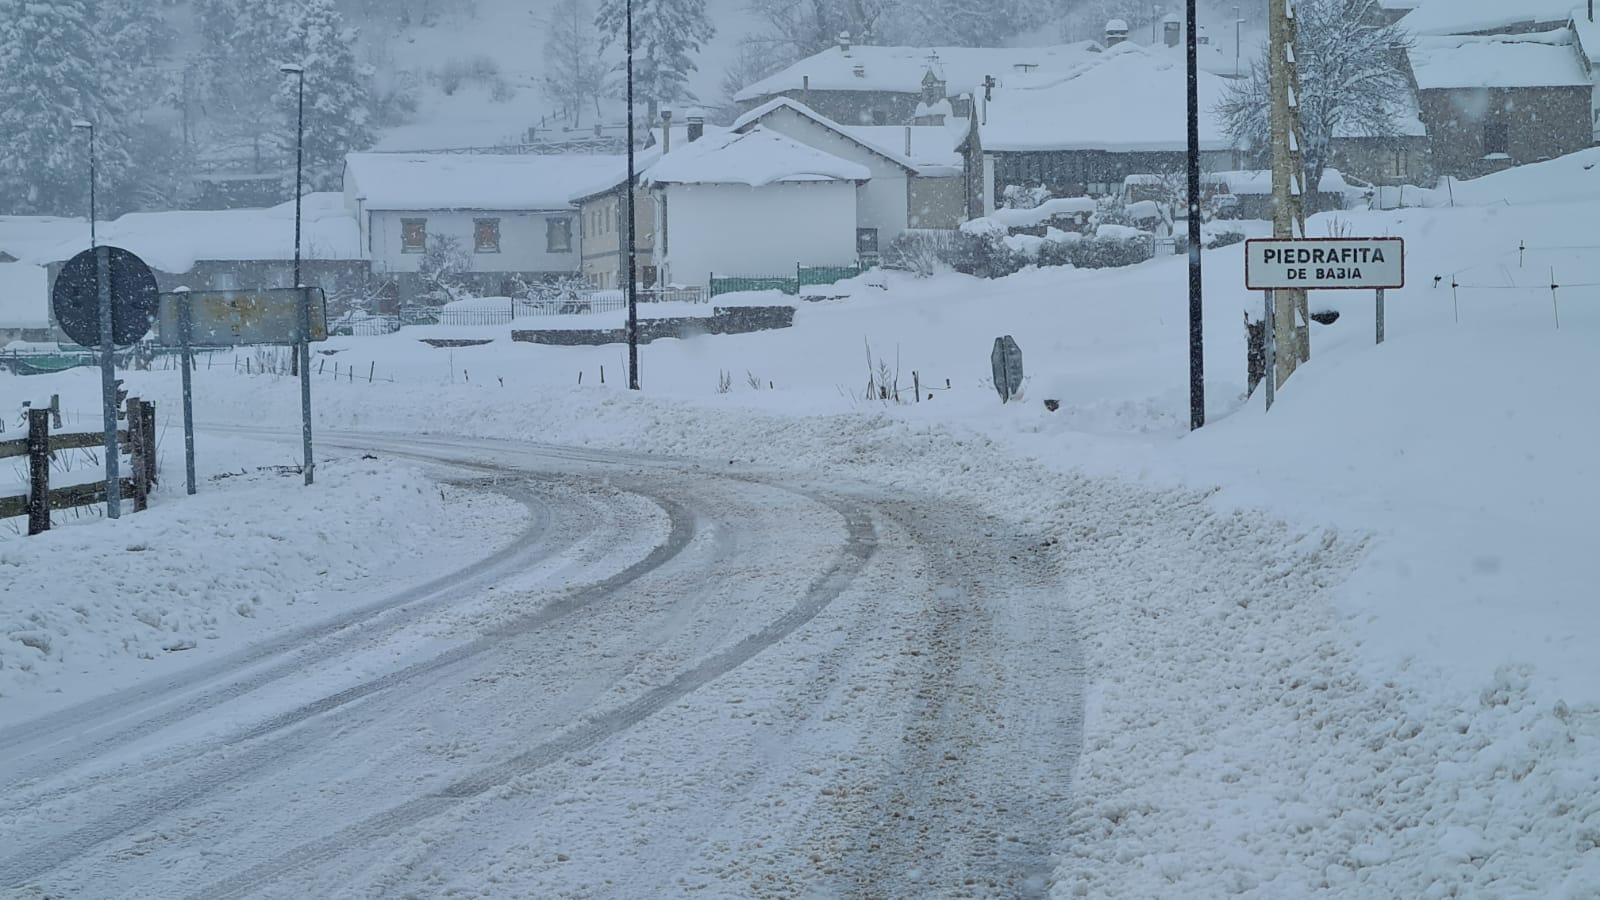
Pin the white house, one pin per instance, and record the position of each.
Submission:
(510, 215)
(752, 203)
(914, 185)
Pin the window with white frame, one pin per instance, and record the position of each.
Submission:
(558, 235)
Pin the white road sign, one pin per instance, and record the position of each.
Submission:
(1324, 264)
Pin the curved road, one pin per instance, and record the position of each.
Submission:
(676, 681)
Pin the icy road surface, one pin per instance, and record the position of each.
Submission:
(677, 681)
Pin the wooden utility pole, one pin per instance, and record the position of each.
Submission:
(1292, 331)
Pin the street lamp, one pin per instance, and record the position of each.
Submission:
(1238, 23)
(303, 351)
(88, 126)
(108, 375)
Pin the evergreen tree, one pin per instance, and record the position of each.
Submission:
(665, 33)
(575, 73)
(243, 43)
(338, 91)
(51, 73)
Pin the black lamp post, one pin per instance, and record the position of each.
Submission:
(633, 260)
(108, 375)
(303, 350)
(1197, 384)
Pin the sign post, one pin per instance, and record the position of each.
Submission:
(186, 342)
(108, 380)
(102, 298)
(1320, 264)
(1269, 346)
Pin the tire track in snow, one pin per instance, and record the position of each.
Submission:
(41, 858)
(859, 549)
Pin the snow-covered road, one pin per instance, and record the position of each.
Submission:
(676, 680)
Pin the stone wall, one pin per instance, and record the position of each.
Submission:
(724, 320)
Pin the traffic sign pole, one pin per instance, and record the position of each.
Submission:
(108, 381)
(1380, 315)
(1269, 347)
(186, 339)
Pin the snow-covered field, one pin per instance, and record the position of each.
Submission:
(1341, 649)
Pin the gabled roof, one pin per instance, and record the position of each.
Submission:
(1477, 16)
(1546, 59)
(756, 157)
(752, 118)
(472, 181)
(1132, 99)
(901, 69)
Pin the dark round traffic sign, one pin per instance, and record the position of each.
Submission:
(134, 298)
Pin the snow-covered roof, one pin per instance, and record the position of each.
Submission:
(1587, 33)
(752, 119)
(24, 296)
(756, 157)
(37, 239)
(932, 146)
(1546, 59)
(174, 240)
(438, 181)
(1469, 16)
(1131, 99)
(900, 69)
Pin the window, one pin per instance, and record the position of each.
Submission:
(558, 235)
(413, 235)
(866, 240)
(879, 117)
(486, 235)
(1400, 163)
(1496, 138)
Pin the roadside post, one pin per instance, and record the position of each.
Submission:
(186, 343)
(293, 316)
(1320, 264)
(103, 298)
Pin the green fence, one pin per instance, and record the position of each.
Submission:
(804, 276)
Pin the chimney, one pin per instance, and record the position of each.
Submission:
(697, 127)
(844, 42)
(1116, 32)
(1172, 30)
(666, 131)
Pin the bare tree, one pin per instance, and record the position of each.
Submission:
(574, 72)
(1353, 81)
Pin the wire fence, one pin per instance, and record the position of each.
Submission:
(1532, 273)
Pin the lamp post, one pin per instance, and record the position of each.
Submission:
(1238, 24)
(108, 374)
(1197, 384)
(302, 354)
(633, 259)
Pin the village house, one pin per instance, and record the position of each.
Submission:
(202, 250)
(1482, 17)
(867, 85)
(1586, 33)
(509, 217)
(1494, 101)
(1085, 134)
(915, 185)
(752, 203)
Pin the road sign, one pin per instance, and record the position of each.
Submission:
(1006, 359)
(232, 318)
(1325, 264)
(75, 298)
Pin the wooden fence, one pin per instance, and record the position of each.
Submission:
(138, 440)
